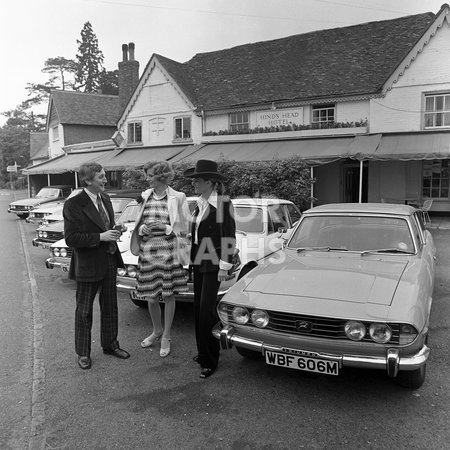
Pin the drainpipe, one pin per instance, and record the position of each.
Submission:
(312, 186)
(361, 164)
(76, 180)
(48, 180)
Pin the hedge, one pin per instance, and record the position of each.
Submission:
(289, 179)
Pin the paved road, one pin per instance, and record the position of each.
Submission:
(149, 402)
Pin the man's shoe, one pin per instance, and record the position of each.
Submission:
(84, 362)
(117, 352)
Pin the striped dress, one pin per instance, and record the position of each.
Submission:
(159, 273)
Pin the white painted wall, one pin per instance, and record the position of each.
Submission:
(401, 110)
(158, 104)
(55, 145)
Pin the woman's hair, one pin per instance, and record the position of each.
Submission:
(87, 172)
(161, 169)
(217, 185)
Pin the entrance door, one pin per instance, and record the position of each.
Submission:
(351, 182)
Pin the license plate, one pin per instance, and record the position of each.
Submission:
(306, 363)
(64, 268)
(45, 246)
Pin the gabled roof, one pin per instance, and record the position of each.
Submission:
(38, 146)
(348, 61)
(79, 108)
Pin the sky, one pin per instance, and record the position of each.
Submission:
(31, 31)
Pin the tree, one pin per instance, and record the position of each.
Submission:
(109, 82)
(89, 61)
(58, 67)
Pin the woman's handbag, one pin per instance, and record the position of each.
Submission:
(183, 250)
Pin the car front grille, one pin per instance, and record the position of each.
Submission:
(320, 327)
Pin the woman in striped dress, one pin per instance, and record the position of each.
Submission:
(163, 217)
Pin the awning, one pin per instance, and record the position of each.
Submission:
(137, 157)
(314, 151)
(412, 146)
(69, 162)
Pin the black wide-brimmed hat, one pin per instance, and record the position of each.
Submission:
(204, 168)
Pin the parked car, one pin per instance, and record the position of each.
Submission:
(47, 194)
(260, 224)
(37, 215)
(352, 287)
(53, 230)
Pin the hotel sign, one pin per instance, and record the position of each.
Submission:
(279, 117)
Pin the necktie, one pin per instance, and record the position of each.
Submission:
(106, 222)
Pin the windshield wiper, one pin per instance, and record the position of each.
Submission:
(321, 249)
(386, 250)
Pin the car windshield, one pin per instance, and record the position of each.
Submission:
(129, 213)
(353, 233)
(48, 193)
(249, 219)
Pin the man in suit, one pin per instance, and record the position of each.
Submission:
(88, 230)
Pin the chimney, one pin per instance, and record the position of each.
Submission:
(128, 74)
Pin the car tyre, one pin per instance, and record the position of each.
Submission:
(248, 354)
(140, 303)
(412, 379)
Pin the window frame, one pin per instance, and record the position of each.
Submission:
(182, 137)
(435, 112)
(324, 107)
(241, 123)
(437, 184)
(132, 131)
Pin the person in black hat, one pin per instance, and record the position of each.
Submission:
(213, 244)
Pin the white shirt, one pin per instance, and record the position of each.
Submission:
(203, 207)
(93, 197)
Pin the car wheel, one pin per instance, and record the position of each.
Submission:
(412, 379)
(246, 269)
(140, 303)
(249, 354)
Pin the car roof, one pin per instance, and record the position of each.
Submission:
(248, 201)
(360, 208)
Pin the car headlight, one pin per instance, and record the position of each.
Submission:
(121, 271)
(39, 234)
(56, 251)
(240, 315)
(407, 334)
(132, 271)
(222, 310)
(354, 330)
(44, 234)
(260, 318)
(32, 214)
(63, 252)
(380, 332)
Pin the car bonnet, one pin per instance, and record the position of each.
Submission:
(330, 276)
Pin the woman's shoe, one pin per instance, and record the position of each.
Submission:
(205, 373)
(150, 340)
(165, 347)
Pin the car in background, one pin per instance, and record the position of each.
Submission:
(48, 194)
(52, 231)
(38, 215)
(260, 224)
(352, 287)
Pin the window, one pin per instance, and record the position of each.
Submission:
(437, 111)
(239, 121)
(323, 114)
(135, 133)
(55, 133)
(183, 128)
(435, 178)
(277, 218)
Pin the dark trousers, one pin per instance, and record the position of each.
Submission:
(206, 287)
(109, 315)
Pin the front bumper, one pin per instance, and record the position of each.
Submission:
(392, 362)
(51, 263)
(18, 212)
(38, 243)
